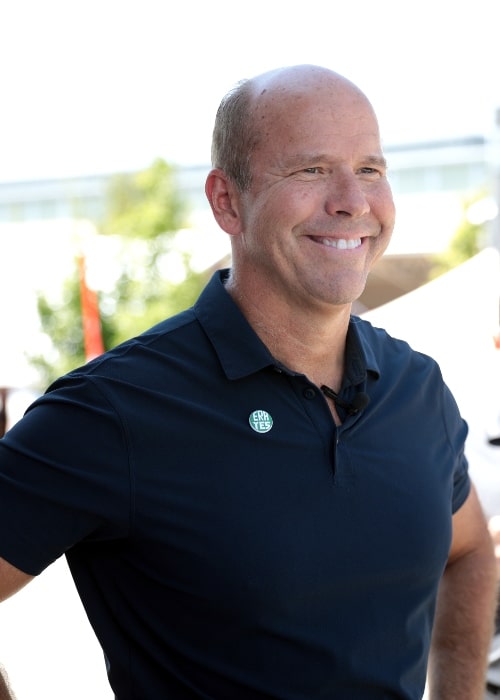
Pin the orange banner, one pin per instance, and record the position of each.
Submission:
(92, 334)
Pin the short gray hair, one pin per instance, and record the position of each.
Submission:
(234, 135)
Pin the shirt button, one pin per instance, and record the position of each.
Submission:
(309, 393)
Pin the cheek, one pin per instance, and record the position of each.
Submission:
(390, 212)
(270, 218)
(292, 212)
(387, 206)
(383, 209)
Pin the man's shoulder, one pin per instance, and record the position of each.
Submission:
(183, 320)
(385, 349)
(159, 335)
(380, 336)
(143, 354)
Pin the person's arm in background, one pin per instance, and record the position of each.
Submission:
(465, 612)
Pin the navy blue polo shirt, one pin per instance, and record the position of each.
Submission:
(226, 538)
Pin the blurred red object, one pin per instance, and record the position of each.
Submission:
(92, 335)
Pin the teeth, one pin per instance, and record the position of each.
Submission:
(341, 243)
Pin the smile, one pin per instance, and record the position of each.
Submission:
(341, 243)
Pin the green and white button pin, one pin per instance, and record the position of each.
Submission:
(260, 421)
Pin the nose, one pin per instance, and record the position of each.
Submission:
(346, 196)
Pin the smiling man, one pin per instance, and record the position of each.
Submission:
(316, 214)
(264, 496)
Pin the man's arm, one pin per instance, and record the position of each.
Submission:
(465, 610)
(11, 580)
(5, 691)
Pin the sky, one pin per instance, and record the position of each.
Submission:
(99, 86)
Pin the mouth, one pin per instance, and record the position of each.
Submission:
(339, 243)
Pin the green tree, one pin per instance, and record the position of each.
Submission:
(144, 212)
(145, 205)
(467, 241)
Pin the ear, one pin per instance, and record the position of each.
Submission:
(223, 198)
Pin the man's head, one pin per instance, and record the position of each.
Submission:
(299, 182)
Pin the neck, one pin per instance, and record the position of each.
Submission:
(310, 341)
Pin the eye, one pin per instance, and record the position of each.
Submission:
(371, 173)
(312, 171)
(373, 167)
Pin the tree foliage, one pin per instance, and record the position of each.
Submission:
(467, 241)
(144, 205)
(144, 211)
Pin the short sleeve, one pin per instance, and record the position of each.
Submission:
(64, 476)
(457, 430)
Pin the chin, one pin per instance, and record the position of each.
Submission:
(347, 294)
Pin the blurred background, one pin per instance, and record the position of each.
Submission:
(105, 129)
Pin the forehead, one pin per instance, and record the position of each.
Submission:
(323, 113)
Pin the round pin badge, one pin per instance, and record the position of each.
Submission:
(260, 421)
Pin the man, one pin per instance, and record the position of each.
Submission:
(264, 497)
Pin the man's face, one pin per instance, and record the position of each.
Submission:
(319, 211)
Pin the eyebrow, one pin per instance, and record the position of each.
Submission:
(376, 160)
(302, 158)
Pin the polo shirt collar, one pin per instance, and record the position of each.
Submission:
(239, 348)
(361, 357)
